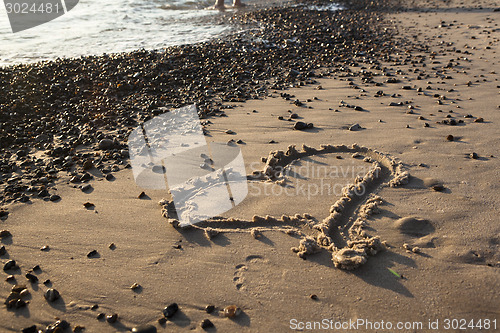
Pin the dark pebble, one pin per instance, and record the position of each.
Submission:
(31, 329)
(294, 116)
(54, 197)
(210, 308)
(144, 329)
(206, 323)
(52, 295)
(110, 176)
(479, 120)
(474, 156)
(162, 321)
(3, 251)
(170, 310)
(5, 234)
(36, 269)
(438, 188)
(358, 108)
(142, 195)
(300, 125)
(31, 278)
(112, 318)
(86, 188)
(92, 254)
(101, 316)
(11, 264)
(57, 327)
(450, 137)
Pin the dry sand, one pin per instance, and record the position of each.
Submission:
(455, 275)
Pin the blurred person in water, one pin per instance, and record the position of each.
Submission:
(219, 4)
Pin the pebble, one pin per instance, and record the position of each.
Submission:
(206, 323)
(11, 264)
(88, 205)
(162, 321)
(92, 253)
(101, 316)
(231, 311)
(31, 329)
(112, 318)
(54, 197)
(229, 132)
(299, 125)
(479, 120)
(5, 234)
(18, 288)
(438, 188)
(3, 251)
(106, 144)
(355, 127)
(57, 327)
(142, 195)
(78, 328)
(474, 156)
(52, 295)
(135, 286)
(450, 137)
(110, 177)
(209, 308)
(170, 310)
(86, 188)
(45, 248)
(144, 329)
(358, 108)
(31, 278)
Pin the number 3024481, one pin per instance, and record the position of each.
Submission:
(26, 8)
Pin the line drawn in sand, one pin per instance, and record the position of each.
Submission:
(342, 232)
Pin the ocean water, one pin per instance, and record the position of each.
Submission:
(95, 27)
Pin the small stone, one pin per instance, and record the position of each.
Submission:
(57, 327)
(78, 329)
(36, 269)
(438, 188)
(314, 297)
(479, 120)
(206, 323)
(355, 127)
(11, 264)
(112, 246)
(144, 329)
(86, 188)
(229, 132)
(209, 308)
(170, 310)
(416, 249)
(3, 251)
(101, 316)
(294, 116)
(5, 234)
(54, 197)
(31, 278)
(135, 286)
(426, 125)
(47, 282)
(31, 329)
(88, 205)
(88, 164)
(358, 108)
(231, 311)
(92, 253)
(110, 177)
(112, 318)
(51, 295)
(10, 278)
(106, 144)
(162, 321)
(94, 307)
(45, 248)
(299, 125)
(142, 195)
(450, 137)
(406, 87)
(25, 293)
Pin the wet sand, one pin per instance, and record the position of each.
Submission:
(440, 229)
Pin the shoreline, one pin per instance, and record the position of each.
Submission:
(426, 98)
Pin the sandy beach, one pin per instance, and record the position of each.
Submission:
(426, 231)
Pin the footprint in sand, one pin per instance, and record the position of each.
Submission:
(239, 273)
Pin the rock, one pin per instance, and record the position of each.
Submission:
(106, 144)
(54, 197)
(31, 329)
(294, 116)
(57, 327)
(9, 265)
(52, 295)
(112, 318)
(142, 195)
(92, 254)
(231, 311)
(209, 308)
(229, 132)
(88, 205)
(45, 248)
(110, 177)
(438, 188)
(355, 127)
(358, 108)
(170, 310)
(3, 251)
(144, 329)
(162, 321)
(5, 234)
(3, 213)
(101, 316)
(206, 323)
(135, 286)
(86, 188)
(474, 156)
(450, 137)
(479, 120)
(88, 164)
(31, 278)
(299, 125)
